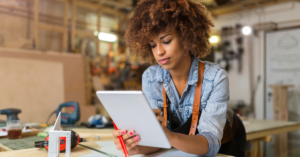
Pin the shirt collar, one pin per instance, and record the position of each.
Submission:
(163, 75)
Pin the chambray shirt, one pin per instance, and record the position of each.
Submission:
(214, 99)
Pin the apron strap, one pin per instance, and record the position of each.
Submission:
(165, 106)
(196, 105)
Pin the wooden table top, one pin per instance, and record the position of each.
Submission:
(256, 129)
(77, 151)
(261, 128)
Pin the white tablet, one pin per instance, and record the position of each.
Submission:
(130, 110)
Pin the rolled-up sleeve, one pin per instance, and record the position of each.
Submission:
(213, 117)
(146, 88)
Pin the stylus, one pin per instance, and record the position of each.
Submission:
(122, 142)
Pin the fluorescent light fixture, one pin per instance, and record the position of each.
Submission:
(246, 30)
(96, 33)
(214, 39)
(107, 37)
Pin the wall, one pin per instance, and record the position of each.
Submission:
(276, 13)
(255, 47)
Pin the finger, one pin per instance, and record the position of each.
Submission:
(119, 147)
(157, 112)
(132, 140)
(117, 141)
(117, 133)
(134, 151)
(132, 145)
(128, 135)
(161, 119)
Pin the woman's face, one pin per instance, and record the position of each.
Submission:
(168, 50)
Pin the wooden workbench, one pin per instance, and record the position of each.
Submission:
(257, 131)
(261, 130)
(104, 134)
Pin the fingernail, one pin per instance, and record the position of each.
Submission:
(136, 137)
(123, 132)
(131, 133)
(137, 140)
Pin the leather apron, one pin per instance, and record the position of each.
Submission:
(234, 135)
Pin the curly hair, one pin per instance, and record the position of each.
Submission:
(191, 20)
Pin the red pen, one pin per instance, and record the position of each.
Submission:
(122, 142)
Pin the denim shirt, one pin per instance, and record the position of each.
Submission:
(214, 99)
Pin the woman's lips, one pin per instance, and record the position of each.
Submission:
(164, 60)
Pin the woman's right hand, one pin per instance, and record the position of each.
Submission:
(130, 139)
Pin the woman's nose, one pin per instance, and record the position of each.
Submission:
(160, 49)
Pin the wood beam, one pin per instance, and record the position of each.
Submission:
(36, 23)
(240, 6)
(65, 32)
(87, 5)
(73, 25)
(51, 27)
(116, 4)
(99, 14)
(85, 33)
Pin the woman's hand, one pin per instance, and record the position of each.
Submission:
(130, 139)
(170, 134)
(159, 117)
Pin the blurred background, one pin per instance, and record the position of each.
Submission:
(55, 51)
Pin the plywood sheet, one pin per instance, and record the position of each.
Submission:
(35, 87)
(74, 80)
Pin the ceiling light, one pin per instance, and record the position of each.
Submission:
(107, 37)
(96, 33)
(246, 30)
(214, 39)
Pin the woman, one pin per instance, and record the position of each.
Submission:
(189, 97)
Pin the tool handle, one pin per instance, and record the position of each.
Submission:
(40, 144)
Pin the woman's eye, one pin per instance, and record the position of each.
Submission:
(167, 42)
(153, 46)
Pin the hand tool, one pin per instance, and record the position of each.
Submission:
(68, 118)
(12, 113)
(75, 139)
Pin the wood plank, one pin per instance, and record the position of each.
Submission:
(51, 27)
(65, 32)
(254, 149)
(273, 131)
(4, 148)
(36, 23)
(99, 27)
(87, 5)
(73, 72)
(41, 152)
(34, 86)
(85, 33)
(241, 6)
(77, 151)
(73, 25)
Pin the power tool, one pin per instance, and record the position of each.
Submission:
(75, 139)
(12, 113)
(68, 118)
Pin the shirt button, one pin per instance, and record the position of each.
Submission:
(180, 110)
